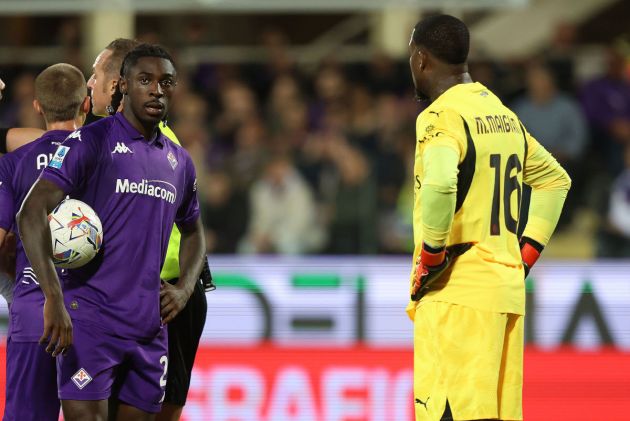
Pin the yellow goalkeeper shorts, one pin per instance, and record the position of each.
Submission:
(472, 358)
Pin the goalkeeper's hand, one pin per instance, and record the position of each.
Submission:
(530, 252)
(431, 264)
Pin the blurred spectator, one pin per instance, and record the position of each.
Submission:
(395, 194)
(287, 115)
(556, 121)
(331, 97)
(19, 111)
(247, 161)
(560, 55)
(190, 117)
(278, 62)
(224, 213)
(238, 104)
(386, 75)
(606, 101)
(285, 91)
(362, 121)
(614, 237)
(283, 218)
(395, 134)
(353, 227)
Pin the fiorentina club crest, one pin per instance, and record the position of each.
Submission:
(171, 159)
(81, 378)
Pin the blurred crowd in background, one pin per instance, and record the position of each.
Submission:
(319, 159)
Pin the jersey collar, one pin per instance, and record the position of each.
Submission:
(133, 133)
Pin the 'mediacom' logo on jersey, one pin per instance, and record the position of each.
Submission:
(153, 188)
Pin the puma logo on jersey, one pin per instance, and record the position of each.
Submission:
(424, 403)
(121, 148)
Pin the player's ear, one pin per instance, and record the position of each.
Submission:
(422, 59)
(85, 105)
(37, 106)
(122, 85)
(112, 86)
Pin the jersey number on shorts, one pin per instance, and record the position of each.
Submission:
(164, 362)
(510, 184)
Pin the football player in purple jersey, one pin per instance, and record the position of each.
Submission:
(105, 321)
(31, 392)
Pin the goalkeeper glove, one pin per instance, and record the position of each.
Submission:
(431, 264)
(530, 252)
(206, 276)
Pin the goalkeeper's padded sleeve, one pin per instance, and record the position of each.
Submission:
(431, 263)
(530, 252)
(3, 140)
(438, 193)
(550, 184)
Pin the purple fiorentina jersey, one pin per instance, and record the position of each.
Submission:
(138, 189)
(26, 322)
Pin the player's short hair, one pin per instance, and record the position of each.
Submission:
(60, 90)
(445, 36)
(119, 47)
(143, 50)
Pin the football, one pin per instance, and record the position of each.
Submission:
(76, 232)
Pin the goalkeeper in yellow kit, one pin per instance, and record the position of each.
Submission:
(467, 284)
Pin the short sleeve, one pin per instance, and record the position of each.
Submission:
(73, 161)
(188, 211)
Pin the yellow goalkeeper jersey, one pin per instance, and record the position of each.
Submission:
(170, 269)
(491, 156)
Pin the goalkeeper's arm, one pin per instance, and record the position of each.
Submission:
(438, 198)
(550, 184)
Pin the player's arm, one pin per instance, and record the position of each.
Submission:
(32, 221)
(66, 173)
(17, 137)
(191, 254)
(550, 184)
(438, 197)
(173, 298)
(13, 138)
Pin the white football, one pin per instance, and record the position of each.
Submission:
(77, 234)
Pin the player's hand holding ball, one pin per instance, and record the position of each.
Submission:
(77, 236)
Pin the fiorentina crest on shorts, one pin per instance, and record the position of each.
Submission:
(81, 378)
(171, 159)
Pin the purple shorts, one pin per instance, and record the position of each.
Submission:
(98, 363)
(31, 388)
